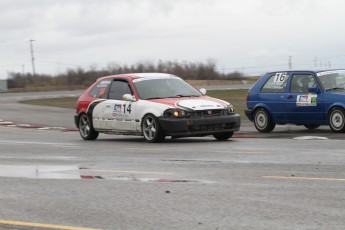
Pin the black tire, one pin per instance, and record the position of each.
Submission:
(263, 121)
(151, 129)
(86, 130)
(336, 120)
(312, 126)
(223, 136)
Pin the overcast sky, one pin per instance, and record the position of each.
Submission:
(253, 36)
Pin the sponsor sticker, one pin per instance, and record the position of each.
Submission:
(122, 110)
(199, 104)
(117, 111)
(306, 100)
(103, 84)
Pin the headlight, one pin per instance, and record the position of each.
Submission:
(175, 113)
(231, 109)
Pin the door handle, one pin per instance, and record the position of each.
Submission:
(108, 106)
(290, 97)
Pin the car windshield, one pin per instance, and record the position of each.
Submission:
(332, 80)
(164, 87)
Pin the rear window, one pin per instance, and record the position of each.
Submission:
(276, 83)
(99, 90)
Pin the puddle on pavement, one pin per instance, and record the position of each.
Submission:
(159, 180)
(310, 138)
(73, 172)
(156, 180)
(43, 172)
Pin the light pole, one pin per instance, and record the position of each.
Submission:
(32, 58)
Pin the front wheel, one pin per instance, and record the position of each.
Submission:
(223, 136)
(86, 130)
(151, 129)
(263, 121)
(337, 120)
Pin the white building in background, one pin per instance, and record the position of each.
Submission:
(3, 85)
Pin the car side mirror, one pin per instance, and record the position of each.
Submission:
(313, 90)
(128, 97)
(202, 91)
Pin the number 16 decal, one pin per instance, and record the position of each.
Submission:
(280, 77)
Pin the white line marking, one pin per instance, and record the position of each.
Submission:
(303, 178)
(141, 149)
(128, 171)
(37, 143)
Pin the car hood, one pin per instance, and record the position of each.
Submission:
(197, 103)
(335, 96)
(338, 92)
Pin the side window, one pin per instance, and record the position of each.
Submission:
(301, 82)
(276, 83)
(118, 89)
(99, 90)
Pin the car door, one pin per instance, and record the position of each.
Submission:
(272, 96)
(118, 114)
(303, 107)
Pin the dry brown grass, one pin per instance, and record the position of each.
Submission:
(82, 87)
(221, 82)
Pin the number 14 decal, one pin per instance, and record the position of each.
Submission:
(127, 109)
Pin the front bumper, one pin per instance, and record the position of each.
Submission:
(76, 120)
(200, 126)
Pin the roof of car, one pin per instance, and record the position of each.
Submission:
(305, 70)
(152, 75)
(143, 75)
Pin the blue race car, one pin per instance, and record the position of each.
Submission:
(309, 98)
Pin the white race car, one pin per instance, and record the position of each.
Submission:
(154, 105)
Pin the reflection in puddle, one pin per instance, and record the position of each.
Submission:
(72, 172)
(43, 172)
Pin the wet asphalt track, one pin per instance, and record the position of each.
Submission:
(253, 181)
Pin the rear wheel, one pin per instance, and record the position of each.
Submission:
(87, 132)
(312, 126)
(337, 120)
(223, 136)
(263, 121)
(151, 129)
